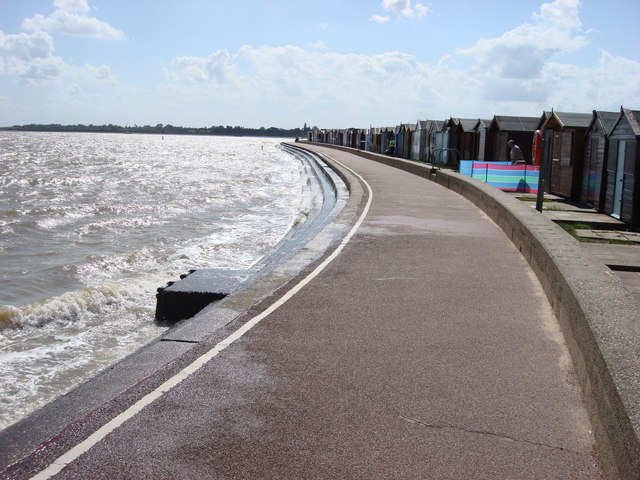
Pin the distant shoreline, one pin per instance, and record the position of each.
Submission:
(161, 129)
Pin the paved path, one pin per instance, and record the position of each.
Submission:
(425, 349)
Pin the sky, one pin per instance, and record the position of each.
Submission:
(331, 64)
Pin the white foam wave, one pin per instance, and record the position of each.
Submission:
(66, 308)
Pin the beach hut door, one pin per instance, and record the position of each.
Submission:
(618, 185)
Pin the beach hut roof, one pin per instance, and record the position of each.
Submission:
(437, 124)
(468, 124)
(568, 120)
(607, 120)
(515, 124)
(633, 117)
(482, 123)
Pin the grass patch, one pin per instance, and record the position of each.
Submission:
(571, 228)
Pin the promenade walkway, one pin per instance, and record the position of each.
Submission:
(425, 348)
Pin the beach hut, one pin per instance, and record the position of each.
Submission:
(504, 128)
(440, 144)
(399, 131)
(419, 140)
(352, 138)
(377, 140)
(564, 134)
(371, 139)
(408, 139)
(404, 133)
(348, 139)
(481, 127)
(357, 140)
(463, 137)
(433, 126)
(622, 191)
(596, 145)
(343, 137)
(386, 135)
(450, 126)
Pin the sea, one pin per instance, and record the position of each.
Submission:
(91, 224)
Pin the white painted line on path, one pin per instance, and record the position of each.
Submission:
(64, 460)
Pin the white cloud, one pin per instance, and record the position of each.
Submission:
(214, 69)
(517, 65)
(563, 14)
(510, 74)
(404, 9)
(26, 46)
(29, 56)
(102, 72)
(522, 52)
(37, 71)
(319, 45)
(379, 19)
(612, 82)
(72, 5)
(422, 10)
(74, 89)
(297, 80)
(64, 20)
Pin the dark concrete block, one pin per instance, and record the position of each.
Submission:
(195, 291)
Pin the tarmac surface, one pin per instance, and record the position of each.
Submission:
(425, 348)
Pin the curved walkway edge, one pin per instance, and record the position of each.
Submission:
(598, 316)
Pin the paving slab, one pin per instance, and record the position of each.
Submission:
(615, 256)
(591, 218)
(605, 235)
(631, 281)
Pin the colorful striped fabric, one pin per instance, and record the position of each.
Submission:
(502, 175)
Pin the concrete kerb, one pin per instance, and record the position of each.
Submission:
(598, 316)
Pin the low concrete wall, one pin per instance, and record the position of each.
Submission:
(599, 318)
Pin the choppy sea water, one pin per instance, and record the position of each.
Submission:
(92, 224)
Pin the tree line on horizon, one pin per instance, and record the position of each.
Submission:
(168, 129)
